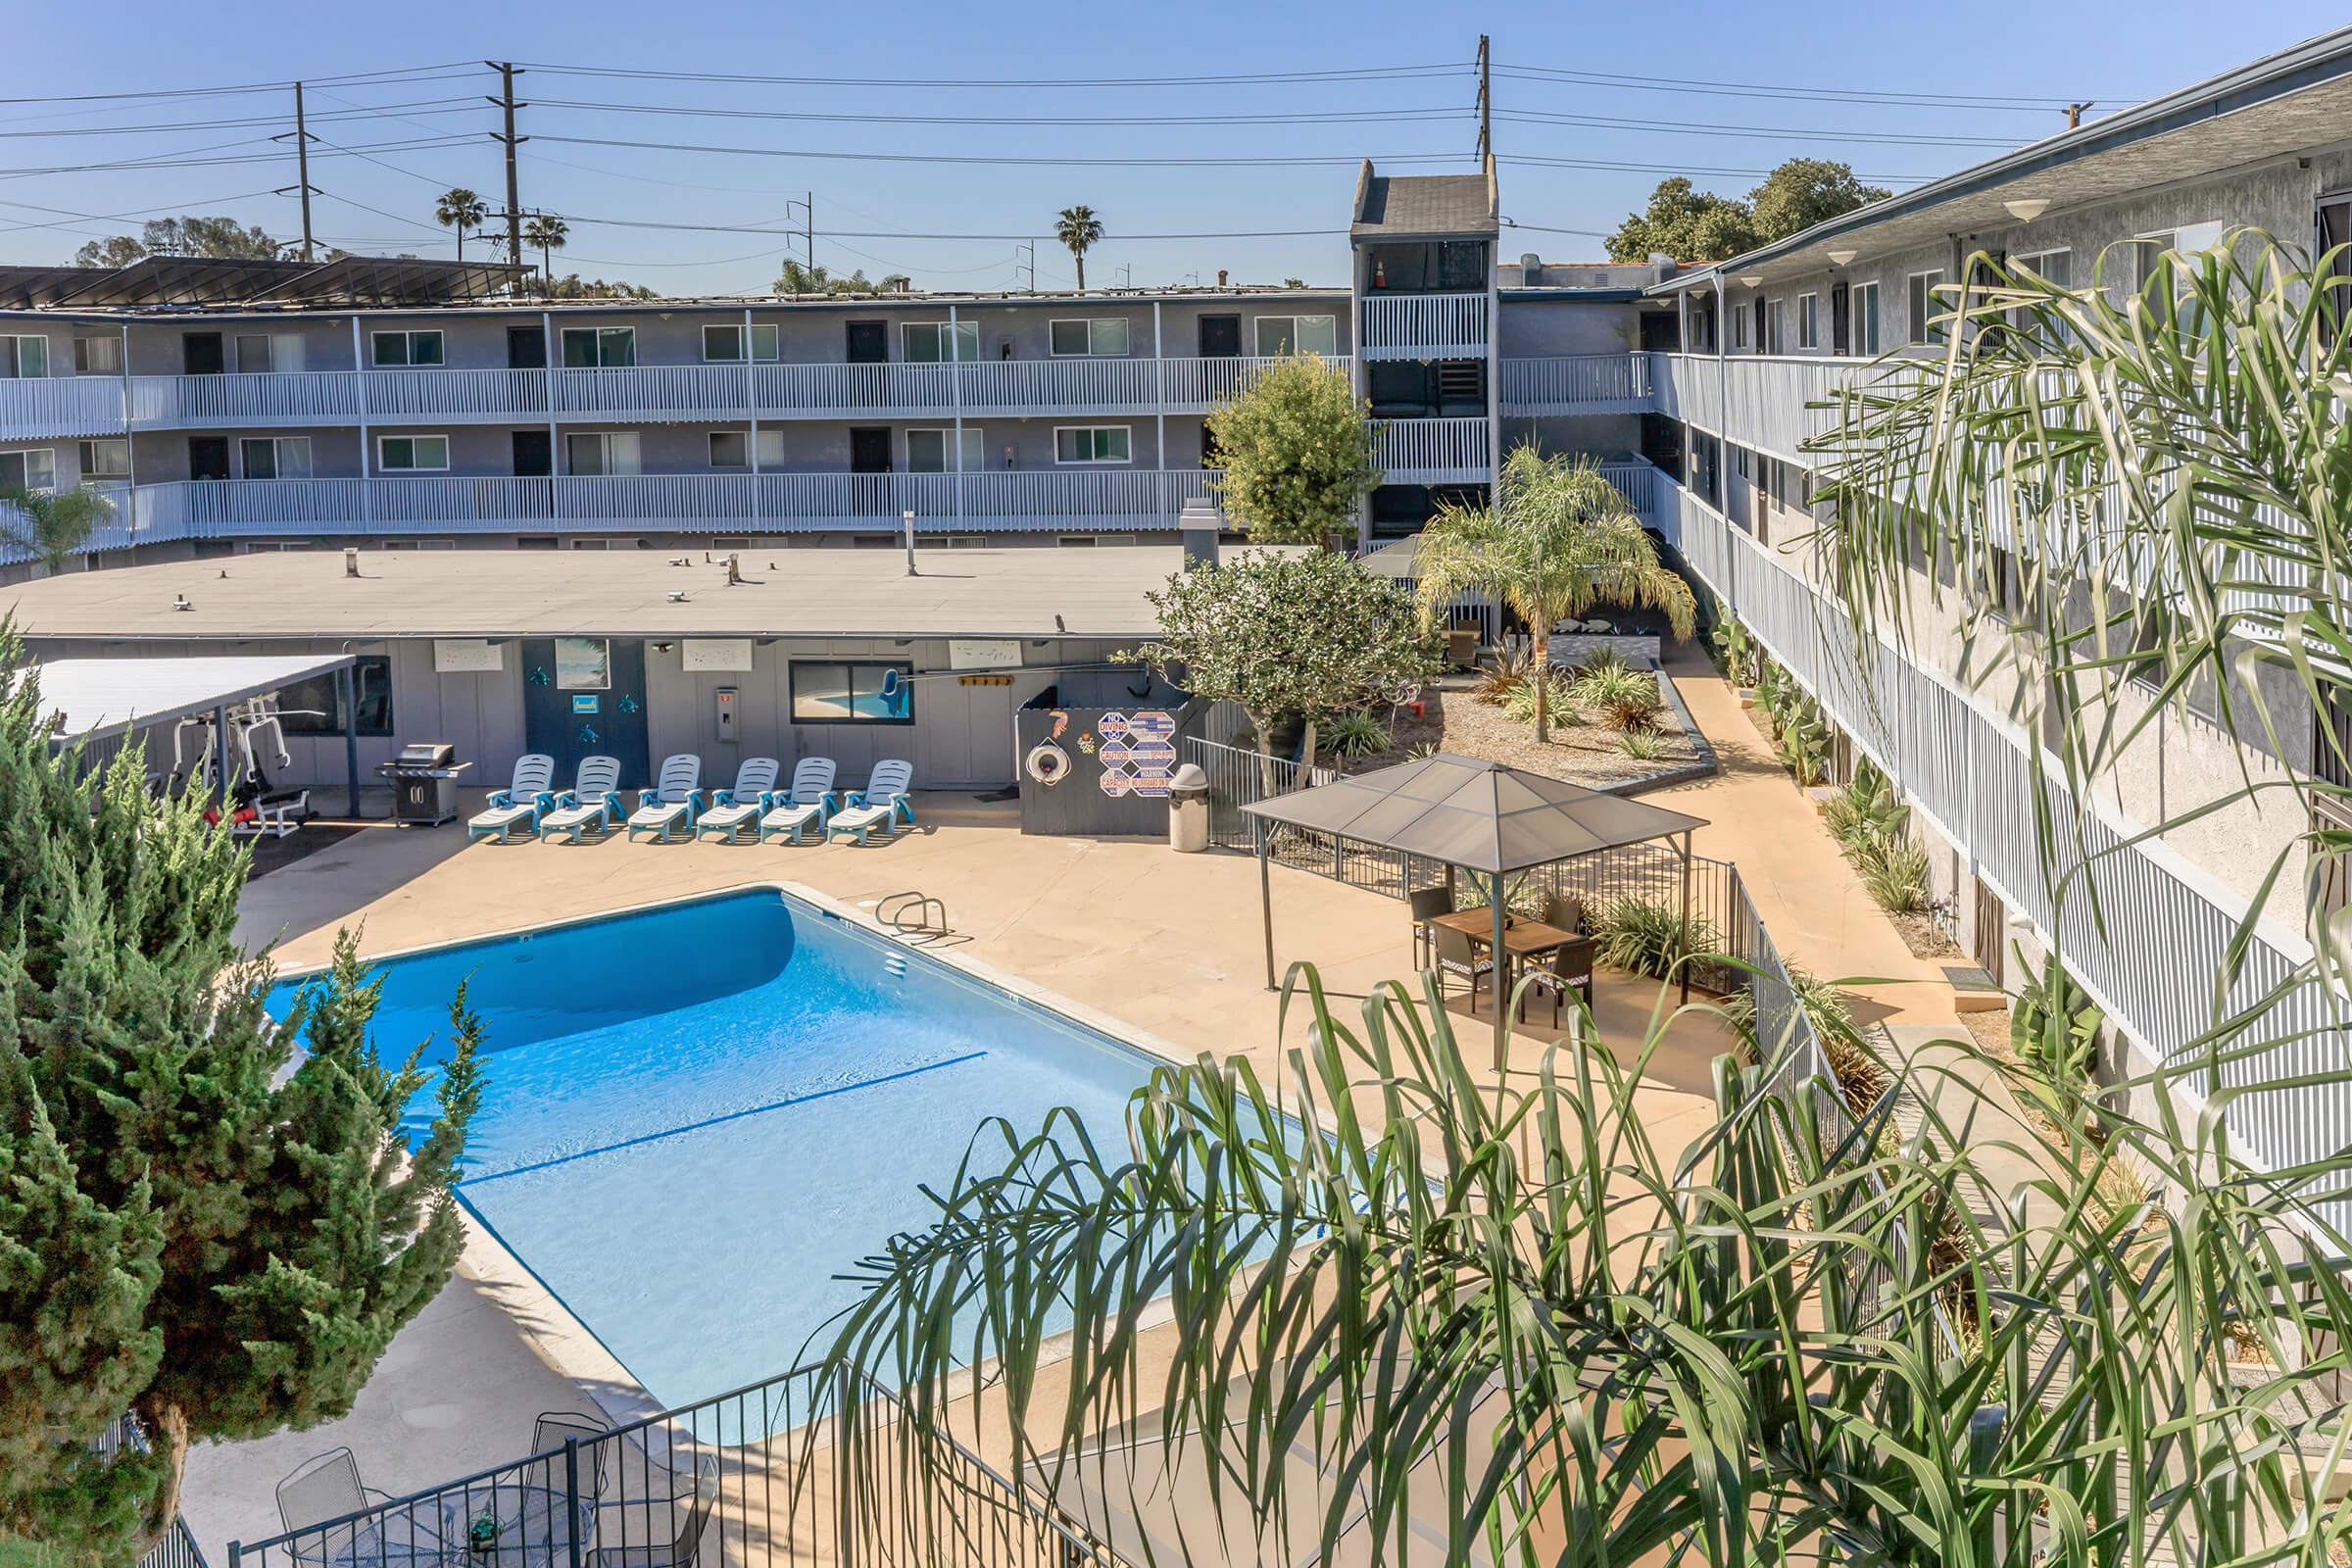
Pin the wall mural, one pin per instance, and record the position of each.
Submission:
(1138, 752)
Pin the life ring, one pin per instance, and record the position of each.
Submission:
(1049, 763)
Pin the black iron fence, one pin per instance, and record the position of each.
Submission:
(751, 1479)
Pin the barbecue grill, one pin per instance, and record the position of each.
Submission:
(424, 782)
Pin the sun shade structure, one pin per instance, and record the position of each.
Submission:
(1476, 816)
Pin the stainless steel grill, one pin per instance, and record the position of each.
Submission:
(424, 782)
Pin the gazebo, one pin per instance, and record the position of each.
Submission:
(1469, 815)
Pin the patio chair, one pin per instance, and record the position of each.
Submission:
(323, 1487)
(1565, 910)
(676, 794)
(553, 1430)
(880, 805)
(1426, 906)
(1458, 956)
(804, 806)
(691, 1509)
(739, 805)
(1566, 969)
(530, 794)
(593, 801)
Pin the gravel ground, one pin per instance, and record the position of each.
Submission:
(1455, 720)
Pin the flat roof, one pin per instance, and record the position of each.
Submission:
(1037, 591)
(93, 698)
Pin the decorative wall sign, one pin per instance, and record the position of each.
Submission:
(585, 702)
(1138, 752)
(583, 665)
(730, 654)
(984, 654)
(466, 656)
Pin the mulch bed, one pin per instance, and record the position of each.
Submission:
(1455, 720)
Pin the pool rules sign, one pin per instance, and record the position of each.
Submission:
(1138, 752)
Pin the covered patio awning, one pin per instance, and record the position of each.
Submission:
(100, 699)
(1471, 816)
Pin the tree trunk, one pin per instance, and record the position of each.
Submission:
(1080, 258)
(1307, 755)
(1266, 753)
(167, 1436)
(1542, 636)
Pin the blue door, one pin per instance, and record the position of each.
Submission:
(585, 697)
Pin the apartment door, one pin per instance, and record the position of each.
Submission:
(526, 350)
(207, 455)
(868, 343)
(1763, 314)
(870, 450)
(202, 354)
(534, 455)
(568, 715)
(1842, 318)
(1220, 337)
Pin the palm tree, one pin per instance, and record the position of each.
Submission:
(461, 208)
(1078, 228)
(1560, 540)
(50, 526)
(547, 233)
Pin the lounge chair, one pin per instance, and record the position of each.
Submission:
(593, 801)
(739, 805)
(674, 799)
(880, 805)
(805, 805)
(531, 794)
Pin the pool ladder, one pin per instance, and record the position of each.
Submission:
(914, 916)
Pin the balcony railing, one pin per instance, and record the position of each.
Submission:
(1433, 450)
(1759, 401)
(1423, 327)
(60, 405)
(1575, 383)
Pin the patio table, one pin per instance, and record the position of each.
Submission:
(1522, 940)
(535, 1530)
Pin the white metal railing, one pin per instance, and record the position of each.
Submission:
(308, 397)
(1416, 326)
(2147, 944)
(1430, 451)
(656, 392)
(1760, 401)
(1575, 383)
(32, 407)
(997, 385)
(397, 395)
(1195, 385)
(833, 390)
(1637, 482)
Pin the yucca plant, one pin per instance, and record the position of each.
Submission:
(2054, 1029)
(1802, 738)
(1735, 650)
(1642, 745)
(1644, 936)
(1357, 734)
(1896, 874)
(1431, 1316)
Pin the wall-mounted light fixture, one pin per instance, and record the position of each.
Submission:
(1751, 279)
(1841, 258)
(2025, 209)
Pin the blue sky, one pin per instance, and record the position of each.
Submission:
(2108, 50)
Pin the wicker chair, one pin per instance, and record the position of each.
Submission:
(1426, 906)
(1456, 955)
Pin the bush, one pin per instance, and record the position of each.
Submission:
(1646, 936)
(1498, 680)
(1520, 705)
(1642, 745)
(1866, 815)
(1627, 699)
(1357, 734)
(1897, 877)
(1803, 740)
(2054, 1028)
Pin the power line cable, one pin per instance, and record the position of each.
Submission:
(454, 67)
(1330, 118)
(1773, 133)
(1301, 160)
(1353, 74)
(439, 106)
(1765, 89)
(1543, 161)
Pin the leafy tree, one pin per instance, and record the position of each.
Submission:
(459, 209)
(1696, 226)
(1560, 540)
(1294, 283)
(546, 233)
(797, 277)
(1297, 452)
(222, 237)
(187, 1231)
(1287, 636)
(1078, 228)
(571, 286)
(49, 526)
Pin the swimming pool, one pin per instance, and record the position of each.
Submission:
(698, 1114)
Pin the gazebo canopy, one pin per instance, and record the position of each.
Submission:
(1482, 816)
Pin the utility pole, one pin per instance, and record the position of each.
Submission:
(1485, 106)
(2074, 115)
(808, 232)
(1029, 248)
(301, 169)
(505, 101)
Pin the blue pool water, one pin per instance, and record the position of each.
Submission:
(697, 1115)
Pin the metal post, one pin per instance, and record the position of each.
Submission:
(549, 351)
(358, 371)
(907, 521)
(1686, 914)
(751, 395)
(1160, 416)
(1494, 979)
(221, 759)
(1265, 893)
(346, 688)
(955, 397)
(572, 1497)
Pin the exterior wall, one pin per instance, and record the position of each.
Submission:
(1526, 329)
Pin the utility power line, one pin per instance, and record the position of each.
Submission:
(360, 79)
(1053, 161)
(1761, 89)
(1694, 128)
(1345, 73)
(1330, 118)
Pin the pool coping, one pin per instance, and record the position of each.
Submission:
(559, 1336)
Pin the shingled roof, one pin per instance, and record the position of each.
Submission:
(1401, 204)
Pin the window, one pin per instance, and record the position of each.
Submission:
(421, 347)
(731, 449)
(1740, 461)
(827, 693)
(599, 348)
(1102, 337)
(935, 342)
(259, 353)
(1091, 443)
(282, 456)
(1866, 319)
(24, 357)
(2335, 262)
(315, 707)
(106, 459)
(927, 451)
(1298, 334)
(1775, 336)
(593, 452)
(724, 345)
(97, 355)
(1739, 330)
(35, 469)
(412, 454)
(1922, 306)
(1808, 320)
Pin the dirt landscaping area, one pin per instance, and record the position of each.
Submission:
(1582, 749)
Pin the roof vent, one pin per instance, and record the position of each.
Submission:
(1531, 268)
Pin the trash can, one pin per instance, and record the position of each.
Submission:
(1188, 809)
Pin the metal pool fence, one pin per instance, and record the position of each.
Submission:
(746, 1480)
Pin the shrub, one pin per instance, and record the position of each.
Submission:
(1498, 680)
(1866, 815)
(1860, 1074)
(2054, 1028)
(1520, 705)
(1642, 745)
(1358, 734)
(1803, 740)
(1646, 935)
(1897, 877)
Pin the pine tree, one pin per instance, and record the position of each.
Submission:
(182, 1235)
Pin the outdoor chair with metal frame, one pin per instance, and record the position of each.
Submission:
(684, 1549)
(553, 1429)
(324, 1486)
(1427, 904)
(1567, 968)
(1456, 955)
(1565, 910)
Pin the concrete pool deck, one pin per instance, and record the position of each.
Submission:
(1167, 945)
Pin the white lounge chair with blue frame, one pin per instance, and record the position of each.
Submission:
(739, 805)
(882, 804)
(592, 803)
(674, 799)
(523, 801)
(803, 807)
